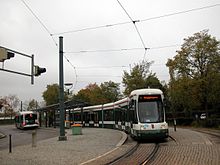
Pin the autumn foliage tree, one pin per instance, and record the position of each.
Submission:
(10, 104)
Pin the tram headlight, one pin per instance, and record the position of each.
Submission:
(144, 127)
(163, 126)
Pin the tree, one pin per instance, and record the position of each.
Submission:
(10, 104)
(95, 94)
(140, 77)
(153, 82)
(111, 91)
(33, 104)
(51, 95)
(193, 70)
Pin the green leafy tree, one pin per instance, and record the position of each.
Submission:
(111, 91)
(95, 94)
(195, 72)
(153, 82)
(51, 95)
(136, 78)
(140, 77)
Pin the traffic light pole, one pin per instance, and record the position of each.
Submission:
(32, 69)
(11, 53)
(62, 136)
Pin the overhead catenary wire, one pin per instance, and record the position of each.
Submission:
(118, 50)
(139, 21)
(39, 20)
(74, 86)
(178, 13)
(105, 67)
(133, 21)
(48, 31)
(110, 25)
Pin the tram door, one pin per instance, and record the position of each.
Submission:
(96, 119)
(132, 113)
(93, 122)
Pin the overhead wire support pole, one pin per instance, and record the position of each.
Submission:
(62, 136)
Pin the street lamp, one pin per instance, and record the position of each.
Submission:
(68, 87)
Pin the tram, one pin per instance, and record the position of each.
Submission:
(26, 119)
(142, 115)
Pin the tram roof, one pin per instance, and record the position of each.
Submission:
(146, 91)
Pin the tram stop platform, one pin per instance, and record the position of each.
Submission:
(88, 148)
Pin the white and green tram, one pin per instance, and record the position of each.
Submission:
(142, 115)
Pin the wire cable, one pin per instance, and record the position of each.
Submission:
(134, 23)
(91, 28)
(143, 20)
(74, 87)
(42, 24)
(119, 50)
(105, 67)
(104, 50)
(47, 30)
(178, 13)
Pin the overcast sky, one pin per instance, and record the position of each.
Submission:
(20, 30)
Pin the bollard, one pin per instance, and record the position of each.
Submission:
(9, 143)
(34, 138)
(174, 124)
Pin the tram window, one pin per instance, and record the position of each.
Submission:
(91, 117)
(86, 117)
(30, 118)
(117, 115)
(150, 111)
(96, 117)
(77, 117)
(108, 115)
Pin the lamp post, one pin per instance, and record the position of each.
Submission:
(62, 136)
(68, 87)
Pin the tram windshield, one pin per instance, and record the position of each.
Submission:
(150, 109)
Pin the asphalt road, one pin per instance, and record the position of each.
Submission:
(24, 137)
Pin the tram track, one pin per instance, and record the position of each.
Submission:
(213, 135)
(152, 155)
(125, 155)
(142, 153)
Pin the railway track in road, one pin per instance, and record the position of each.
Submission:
(214, 136)
(141, 154)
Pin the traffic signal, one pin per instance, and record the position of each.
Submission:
(38, 70)
(4, 54)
